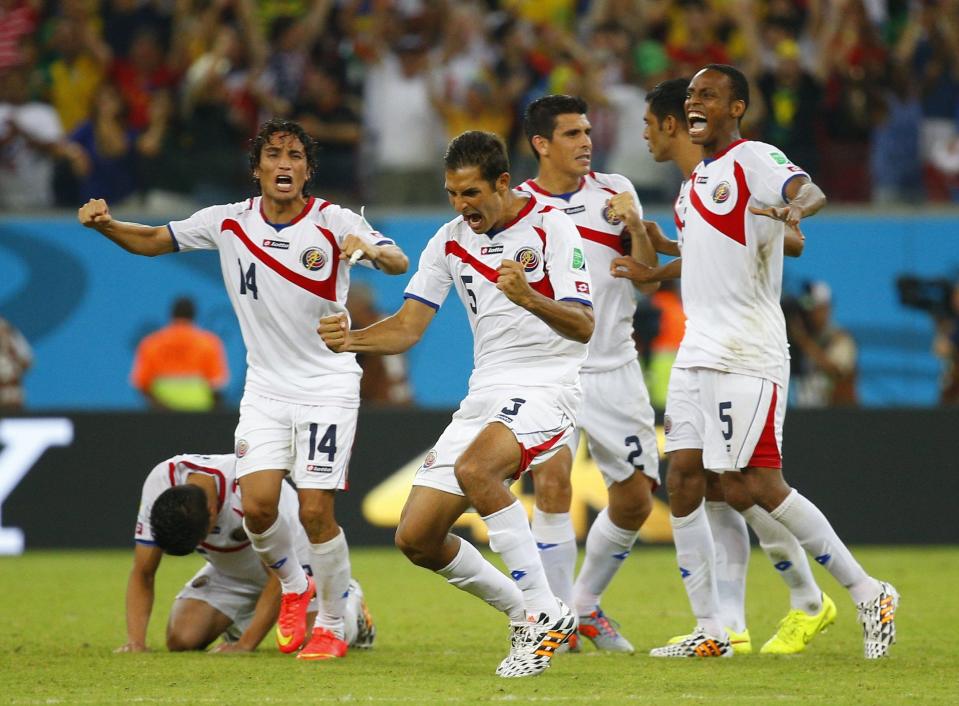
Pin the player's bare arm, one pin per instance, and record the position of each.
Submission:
(132, 237)
(638, 273)
(394, 334)
(264, 617)
(139, 600)
(389, 258)
(623, 207)
(659, 241)
(803, 199)
(569, 319)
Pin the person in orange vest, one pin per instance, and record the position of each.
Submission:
(181, 367)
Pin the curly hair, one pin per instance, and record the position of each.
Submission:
(276, 126)
(180, 519)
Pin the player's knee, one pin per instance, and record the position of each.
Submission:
(736, 493)
(469, 472)
(415, 548)
(554, 492)
(316, 516)
(182, 641)
(631, 502)
(259, 515)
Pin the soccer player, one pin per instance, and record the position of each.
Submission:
(615, 411)
(515, 265)
(726, 393)
(190, 502)
(811, 610)
(285, 259)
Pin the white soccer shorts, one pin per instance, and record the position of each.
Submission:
(541, 419)
(619, 422)
(312, 443)
(737, 420)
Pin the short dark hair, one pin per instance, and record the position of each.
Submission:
(180, 519)
(540, 116)
(277, 126)
(669, 98)
(184, 308)
(475, 148)
(737, 81)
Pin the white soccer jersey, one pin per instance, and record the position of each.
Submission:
(282, 279)
(509, 343)
(227, 547)
(614, 299)
(733, 262)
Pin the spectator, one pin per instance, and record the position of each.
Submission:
(80, 64)
(181, 367)
(384, 382)
(894, 159)
(946, 347)
(828, 356)
(18, 19)
(663, 348)
(15, 359)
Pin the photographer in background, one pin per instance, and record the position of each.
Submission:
(824, 372)
(946, 346)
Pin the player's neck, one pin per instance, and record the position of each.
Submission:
(512, 206)
(720, 144)
(556, 182)
(688, 155)
(282, 211)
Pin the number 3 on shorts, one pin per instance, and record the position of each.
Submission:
(327, 444)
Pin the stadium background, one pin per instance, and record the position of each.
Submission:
(862, 93)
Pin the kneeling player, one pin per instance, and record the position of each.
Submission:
(191, 502)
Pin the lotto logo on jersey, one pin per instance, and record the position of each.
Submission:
(528, 258)
(491, 249)
(430, 458)
(612, 220)
(312, 468)
(582, 287)
(278, 244)
(721, 192)
(573, 210)
(242, 447)
(313, 259)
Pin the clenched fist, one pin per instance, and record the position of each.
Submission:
(512, 282)
(335, 332)
(94, 214)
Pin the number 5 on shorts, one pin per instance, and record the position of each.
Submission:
(726, 419)
(327, 444)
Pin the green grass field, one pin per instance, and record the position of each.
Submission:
(62, 615)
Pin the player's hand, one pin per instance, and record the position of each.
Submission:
(628, 268)
(94, 214)
(335, 332)
(512, 282)
(622, 207)
(353, 243)
(131, 647)
(229, 647)
(790, 215)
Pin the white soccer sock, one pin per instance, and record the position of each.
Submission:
(816, 535)
(556, 541)
(351, 613)
(607, 547)
(331, 571)
(510, 537)
(275, 549)
(731, 539)
(695, 554)
(470, 572)
(789, 559)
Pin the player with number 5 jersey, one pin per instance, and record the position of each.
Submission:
(285, 257)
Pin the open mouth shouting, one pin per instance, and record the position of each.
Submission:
(697, 123)
(474, 219)
(284, 183)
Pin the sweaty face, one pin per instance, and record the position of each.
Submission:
(283, 169)
(570, 149)
(711, 112)
(656, 139)
(478, 201)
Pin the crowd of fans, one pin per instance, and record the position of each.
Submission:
(127, 98)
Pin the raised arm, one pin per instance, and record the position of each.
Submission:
(624, 206)
(139, 601)
(394, 334)
(132, 237)
(567, 318)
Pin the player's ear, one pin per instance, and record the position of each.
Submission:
(540, 145)
(502, 182)
(738, 108)
(669, 125)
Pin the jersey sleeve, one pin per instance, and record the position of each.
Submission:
(768, 171)
(433, 278)
(349, 223)
(565, 260)
(156, 482)
(199, 231)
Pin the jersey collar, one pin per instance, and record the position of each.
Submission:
(523, 212)
(718, 155)
(280, 226)
(566, 197)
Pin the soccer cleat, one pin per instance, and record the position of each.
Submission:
(603, 633)
(365, 629)
(291, 623)
(323, 645)
(741, 642)
(878, 618)
(798, 628)
(571, 645)
(697, 644)
(534, 642)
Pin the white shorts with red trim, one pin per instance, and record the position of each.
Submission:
(619, 422)
(541, 419)
(312, 443)
(737, 420)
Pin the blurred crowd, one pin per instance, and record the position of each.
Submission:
(130, 99)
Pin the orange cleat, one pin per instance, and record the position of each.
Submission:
(291, 624)
(323, 645)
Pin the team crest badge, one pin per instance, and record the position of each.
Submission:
(667, 424)
(609, 218)
(313, 259)
(200, 582)
(721, 192)
(430, 459)
(242, 446)
(238, 535)
(528, 258)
